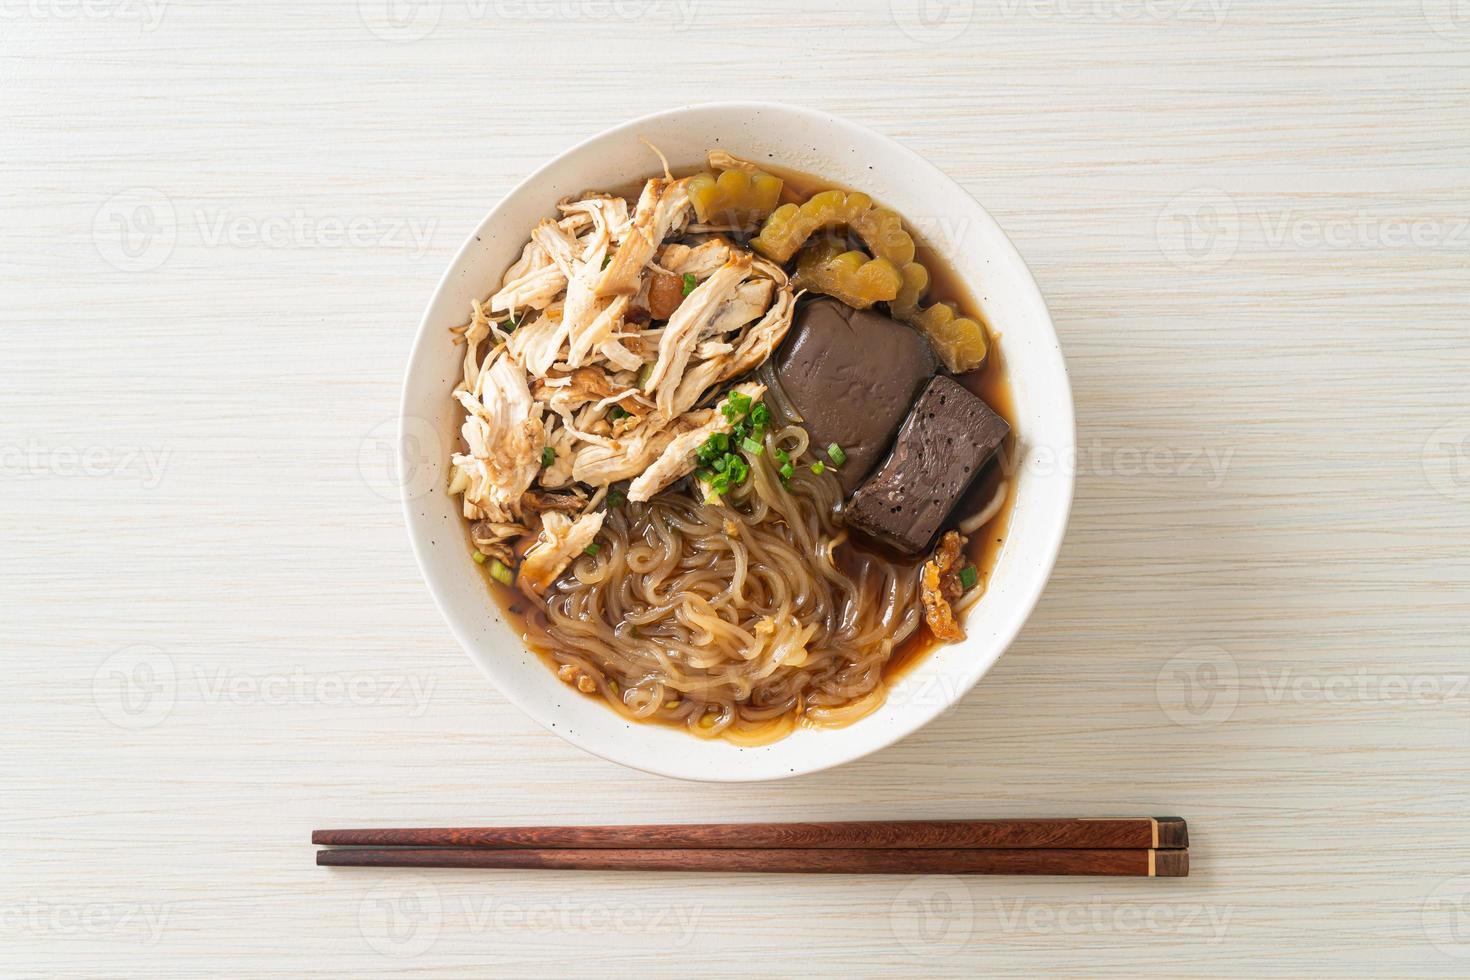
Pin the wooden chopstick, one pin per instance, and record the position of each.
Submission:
(1131, 862)
(1159, 833)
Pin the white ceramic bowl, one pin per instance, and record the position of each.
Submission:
(952, 222)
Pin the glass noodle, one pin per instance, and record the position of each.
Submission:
(738, 621)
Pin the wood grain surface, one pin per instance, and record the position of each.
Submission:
(221, 222)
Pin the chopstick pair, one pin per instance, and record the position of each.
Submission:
(1152, 847)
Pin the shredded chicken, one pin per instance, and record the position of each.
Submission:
(684, 328)
(758, 344)
(699, 261)
(561, 539)
(720, 160)
(940, 585)
(570, 385)
(533, 281)
(663, 204)
(678, 458)
(584, 385)
(503, 431)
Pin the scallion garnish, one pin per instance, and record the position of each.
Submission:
(819, 467)
(618, 412)
(548, 456)
(592, 549)
(501, 573)
(787, 471)
(968, 577)
(721, 465)
(615, 499)
(736, 406)
(480, 557)
(689, 283)
(835, 453)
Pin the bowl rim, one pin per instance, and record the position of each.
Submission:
(1046, 553)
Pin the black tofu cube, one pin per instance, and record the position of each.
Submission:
(948, 437)
(852, 374)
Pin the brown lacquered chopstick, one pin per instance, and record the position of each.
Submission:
(1127, 833)
(1133, 862)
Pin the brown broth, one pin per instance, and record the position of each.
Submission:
(989, 382)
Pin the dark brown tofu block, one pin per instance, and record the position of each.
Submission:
(944, 443)
(852, 374)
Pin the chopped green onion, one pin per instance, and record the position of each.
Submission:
(618, 412)
(760, 415)
(615, 499)
(689, 283)
(735, 407)
(968, 577)
(500, 573)
(738, 470)
(787, 471)
(592, 549)
(606, 261)
(835, 453)
(782, 456)
(721, 463)
(548, 456)
(480, 557)
(509, 325)
(720, 441)
(751, 446)
(819, 467)
(645, 372)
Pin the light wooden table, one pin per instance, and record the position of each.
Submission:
(220, 225)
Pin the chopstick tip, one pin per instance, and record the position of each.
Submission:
(1171, 864)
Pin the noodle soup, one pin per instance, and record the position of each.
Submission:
(685, 550)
